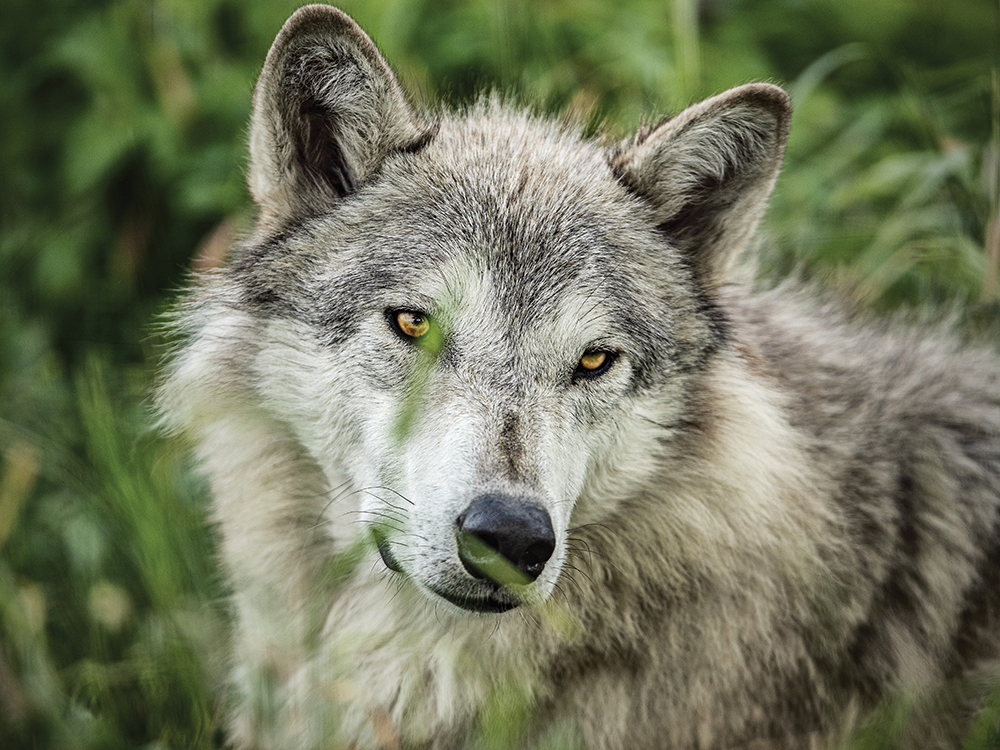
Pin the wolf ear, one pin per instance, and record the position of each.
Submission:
(327, 112)
(709, 171)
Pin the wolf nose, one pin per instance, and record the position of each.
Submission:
(518, 530)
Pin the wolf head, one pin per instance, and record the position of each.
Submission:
(484, 328)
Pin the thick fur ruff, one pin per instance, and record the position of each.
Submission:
(759, 517)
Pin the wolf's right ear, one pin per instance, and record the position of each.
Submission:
(709, 171)
(327, 112)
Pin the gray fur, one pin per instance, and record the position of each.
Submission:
(768, 516)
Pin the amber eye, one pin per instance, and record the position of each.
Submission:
(593, 363)
(412, 324)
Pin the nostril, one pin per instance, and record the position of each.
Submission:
(532, 562)
(500, 526)
(538, 554)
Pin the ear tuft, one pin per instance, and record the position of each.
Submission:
(327, 113)
(709, 171)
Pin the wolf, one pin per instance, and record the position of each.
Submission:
(507, 450)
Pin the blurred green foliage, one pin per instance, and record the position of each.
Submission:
(121, 154)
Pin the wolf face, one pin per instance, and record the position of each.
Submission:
(495, 365)
(486, 307)
(514, 367)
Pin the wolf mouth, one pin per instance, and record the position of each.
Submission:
(496, 602)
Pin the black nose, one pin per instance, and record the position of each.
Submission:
(518, 530)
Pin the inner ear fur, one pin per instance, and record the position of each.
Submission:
(327, 112)
(709, 172)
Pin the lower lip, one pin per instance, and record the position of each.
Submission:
(486, 605)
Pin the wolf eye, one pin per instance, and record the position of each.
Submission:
(409, 323)
(593, 363)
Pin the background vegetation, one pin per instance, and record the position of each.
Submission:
(121, 167)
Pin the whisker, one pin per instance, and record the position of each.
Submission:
(398, 494)
(577, 570)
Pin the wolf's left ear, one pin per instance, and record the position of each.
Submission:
(709, 171)
(327, 112)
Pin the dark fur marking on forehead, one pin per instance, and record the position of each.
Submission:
(511, 445)
(528, 277)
